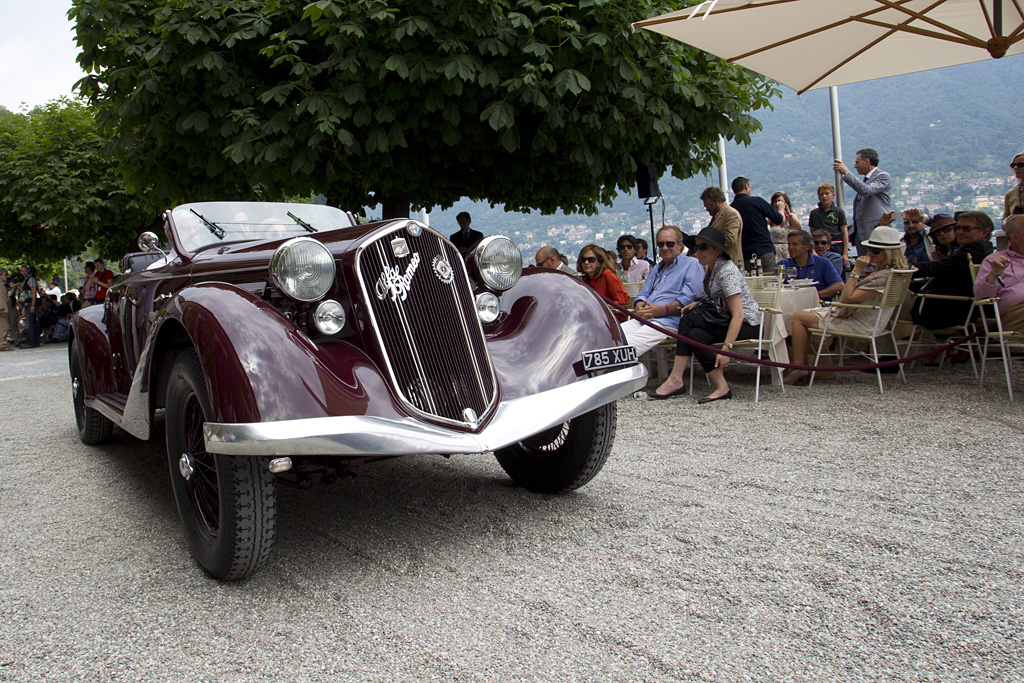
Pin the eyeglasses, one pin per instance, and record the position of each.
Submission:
(823, 243)
(945, 228)
(1019, 164)
(911, 220)
(966, 228)
(624, 246)
(875, 251)
(703, 246)
(588, 259)
(667, 245)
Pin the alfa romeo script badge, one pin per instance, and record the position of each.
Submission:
(399, 247)
(444, 271)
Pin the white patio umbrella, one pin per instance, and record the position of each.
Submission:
(809, 44)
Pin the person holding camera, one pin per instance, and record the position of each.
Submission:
(1015, 195)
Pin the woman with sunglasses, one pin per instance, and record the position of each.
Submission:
(1015, 195)
(942, 233)
(885, 253)
(600, 274)
(737, 317)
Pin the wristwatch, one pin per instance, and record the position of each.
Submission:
(728, 345)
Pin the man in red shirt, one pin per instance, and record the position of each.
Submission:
(102, 279)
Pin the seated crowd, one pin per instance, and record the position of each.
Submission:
(704, 296)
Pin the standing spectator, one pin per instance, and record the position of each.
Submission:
(10, 293)
(780, 231)
(466, 238)
(3, 311)
(823, 247)
(634, 269)
(670, 285)
(755, 212)
(810, 266)
(598, 273)
(872, 190)
(1002, 275)
(916, 245)
(89, 284)
(30, 297)
(101, 279)
(737, 317)
(641, 250)
(726, 220)
(943, 235)
(827, 216)
(548, 257)
(1015, 195)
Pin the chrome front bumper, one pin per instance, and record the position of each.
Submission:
(513, 421)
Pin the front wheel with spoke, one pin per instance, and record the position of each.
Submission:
(564, 457)
(227, 504)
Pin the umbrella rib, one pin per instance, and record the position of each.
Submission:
(928, 20)
(969, 40)
(842, 63)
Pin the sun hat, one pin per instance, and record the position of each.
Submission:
(690, 242)
(940, 221)
(713, 235)
(884, 237)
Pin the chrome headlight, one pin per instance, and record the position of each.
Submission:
(487, 307)
(329, 317)
(303, 269)
(499, 261)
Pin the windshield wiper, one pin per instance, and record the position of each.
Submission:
(307, 226)
(213, 227)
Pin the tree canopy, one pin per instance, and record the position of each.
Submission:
(58, 191)
(541, 105)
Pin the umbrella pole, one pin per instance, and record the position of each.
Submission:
(837, 142)
(723, 176)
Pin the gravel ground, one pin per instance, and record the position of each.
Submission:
(828, 534)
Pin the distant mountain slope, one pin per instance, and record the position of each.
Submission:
(964, 119)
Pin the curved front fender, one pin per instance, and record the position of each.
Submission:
(548, 320)
(260, 367)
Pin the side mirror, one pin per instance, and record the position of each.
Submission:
(148, 241)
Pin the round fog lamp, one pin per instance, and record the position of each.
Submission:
(487, 307)
(329, 317)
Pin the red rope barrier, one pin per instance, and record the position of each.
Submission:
(791, 366)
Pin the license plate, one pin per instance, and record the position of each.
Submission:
(609, 358)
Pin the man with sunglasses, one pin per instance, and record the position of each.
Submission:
(1015, 195)
(916, 245)
(636, 269)
(549, 257)
(951, 275)
(823, 247)
(673, 283)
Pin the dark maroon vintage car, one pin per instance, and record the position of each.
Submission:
(284, 343)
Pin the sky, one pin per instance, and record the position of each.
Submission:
(37, 52)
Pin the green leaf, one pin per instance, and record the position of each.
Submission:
(498, 115)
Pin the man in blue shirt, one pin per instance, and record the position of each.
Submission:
(810, 266)
(673, 283)
(756, 239)
(823, 248)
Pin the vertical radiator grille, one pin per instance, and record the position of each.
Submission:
(424, 317)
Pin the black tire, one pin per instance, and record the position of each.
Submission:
(228, 504)
(93, 428)
(565, 457)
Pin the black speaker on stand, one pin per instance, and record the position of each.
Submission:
(647, 188)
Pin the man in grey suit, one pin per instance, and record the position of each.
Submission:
(872, 186)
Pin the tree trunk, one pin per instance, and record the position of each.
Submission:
(395, 206)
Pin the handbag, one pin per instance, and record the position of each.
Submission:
(712, 311)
